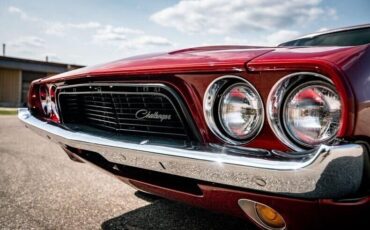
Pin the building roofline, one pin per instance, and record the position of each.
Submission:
(33, 61)
(35, 65)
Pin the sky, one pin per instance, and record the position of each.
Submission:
(98, 31)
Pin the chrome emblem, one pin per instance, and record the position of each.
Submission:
(146, 114)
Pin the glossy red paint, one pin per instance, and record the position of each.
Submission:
(207, 59)
(357, 71)
(33, 102)
(190, 71)
(297, 213)
(225, 200)
(198, 84)
(324, 60)
(349, 214)
(220, 59)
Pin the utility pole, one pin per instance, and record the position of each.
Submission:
(4, 46)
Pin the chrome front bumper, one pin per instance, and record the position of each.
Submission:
(327, 172)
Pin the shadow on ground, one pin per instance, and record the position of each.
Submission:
(165, 214)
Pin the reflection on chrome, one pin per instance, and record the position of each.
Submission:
(308, 176)
(307, 115)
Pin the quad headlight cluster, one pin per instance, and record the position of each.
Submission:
(303, 109)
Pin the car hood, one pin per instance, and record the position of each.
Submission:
(199, 59)
(212, 59)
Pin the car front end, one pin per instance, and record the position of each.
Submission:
(275, 135)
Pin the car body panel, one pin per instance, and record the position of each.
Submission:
(189, 72)
(181, 61)
(183, 70)
(210, 59)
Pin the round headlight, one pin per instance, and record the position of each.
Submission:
(312, 113)
(48, 101)
(233, 109)
(240, 111)
(45, 99)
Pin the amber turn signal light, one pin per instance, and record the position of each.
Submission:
(269, 216)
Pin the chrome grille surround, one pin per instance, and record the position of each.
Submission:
(147, 109)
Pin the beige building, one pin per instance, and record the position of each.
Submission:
(16, 74)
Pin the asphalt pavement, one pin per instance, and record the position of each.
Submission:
(41, 188)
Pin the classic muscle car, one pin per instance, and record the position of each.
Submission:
(277, 135)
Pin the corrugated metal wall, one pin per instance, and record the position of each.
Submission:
(10, 87)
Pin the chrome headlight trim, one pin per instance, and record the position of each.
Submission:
(210, 107)
(275, 103)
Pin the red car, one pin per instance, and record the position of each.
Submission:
(277, 135)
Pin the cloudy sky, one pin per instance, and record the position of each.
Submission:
(96, 31)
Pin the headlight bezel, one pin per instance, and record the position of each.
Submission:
(211, 108)
(277, 98)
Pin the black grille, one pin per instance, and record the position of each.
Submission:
(123, 108)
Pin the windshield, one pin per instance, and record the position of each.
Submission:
(341, 38)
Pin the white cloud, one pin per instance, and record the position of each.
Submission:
(28, 42)
(50, 27)
(15, 10)
(127, 38)
(58, 28)
(144, 41)
(104, 35)
(88, 25)
(272, 39)
(222, 16)
(110, 33)
(153, 40)
(27, 46)
(23, 15)
(281, 36)
(55, 28)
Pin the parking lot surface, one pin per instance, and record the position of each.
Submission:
(41, 188)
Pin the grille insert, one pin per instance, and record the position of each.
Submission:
(153, 110)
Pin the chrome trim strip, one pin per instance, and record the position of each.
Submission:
(327, 172)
